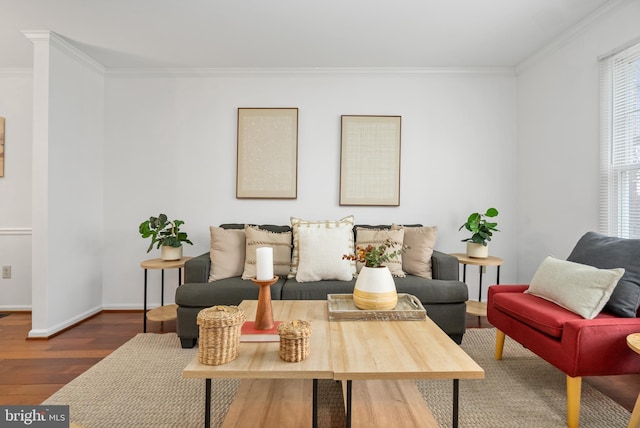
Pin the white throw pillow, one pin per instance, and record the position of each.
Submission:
(582, 289)
(297, 223)
(321, 251)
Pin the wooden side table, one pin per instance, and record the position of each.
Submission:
(163, 313)
(633, 341)
(478, 308)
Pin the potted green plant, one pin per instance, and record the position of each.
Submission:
(375, 288)
(481, 232)
(166, 235)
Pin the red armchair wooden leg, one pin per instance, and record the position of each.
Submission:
(574, 388)
(499, 344)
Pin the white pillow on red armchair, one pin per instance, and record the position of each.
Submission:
(579, 288)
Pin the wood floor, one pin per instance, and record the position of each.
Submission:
(32, 370)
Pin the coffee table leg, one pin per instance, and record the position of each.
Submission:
(456, 393)
(314, 421)
(348, 412)
(207, 404)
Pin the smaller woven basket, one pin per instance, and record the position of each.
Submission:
(219, 334)
(294, 340)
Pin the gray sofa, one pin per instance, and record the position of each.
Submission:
(443, 297)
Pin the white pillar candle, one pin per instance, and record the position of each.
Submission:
(264, 263)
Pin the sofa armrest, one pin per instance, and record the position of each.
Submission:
(444, 266)
(197, 269)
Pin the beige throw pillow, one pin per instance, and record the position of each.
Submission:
(297, 223)
(281, 244)
(582, 289)
(321, 251)
(417, 260)
(377, 237)
(227, 253)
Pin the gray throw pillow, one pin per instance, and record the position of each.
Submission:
(606, 252)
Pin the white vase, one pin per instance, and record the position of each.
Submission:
(375, 289)
(170, 253)
(477, 251)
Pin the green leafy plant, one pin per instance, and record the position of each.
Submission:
(481, 228)
(374, 257)
(163, 232)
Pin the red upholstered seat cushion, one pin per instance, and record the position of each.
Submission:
(536, 312)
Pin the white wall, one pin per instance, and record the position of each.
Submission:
(558, 139)
(15, 189)
(68, 186)
(170, 146)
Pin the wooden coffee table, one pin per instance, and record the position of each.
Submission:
(376, 360)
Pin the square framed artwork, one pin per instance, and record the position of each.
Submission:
(267, 163)
(370, 160)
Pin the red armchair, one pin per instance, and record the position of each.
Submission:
(574, 345)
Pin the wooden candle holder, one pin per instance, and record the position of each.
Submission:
(264, 312)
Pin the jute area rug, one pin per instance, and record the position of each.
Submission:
(140, 385)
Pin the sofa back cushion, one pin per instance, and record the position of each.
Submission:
(606, 252)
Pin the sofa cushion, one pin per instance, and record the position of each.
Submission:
(230, 291)
(536, 312)
(377, 237)
(422, 241)
(297, 223)
(227, 253)
(433, 290)
(606, 252)
(580, 288)
(279, 241)
(294, 290)
(321, 251)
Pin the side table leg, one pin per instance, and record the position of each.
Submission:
(480, 286)
(162, 288)
(207, 404)
(144, 311)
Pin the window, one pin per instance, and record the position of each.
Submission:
(620, 143)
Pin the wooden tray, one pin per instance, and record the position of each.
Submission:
(342, 308)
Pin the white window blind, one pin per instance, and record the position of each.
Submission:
(620, 144)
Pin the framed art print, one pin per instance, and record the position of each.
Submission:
(267, 153)
(370, 160)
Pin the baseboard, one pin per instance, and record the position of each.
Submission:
(63, 326)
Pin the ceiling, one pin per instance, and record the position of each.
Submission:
(294, 33)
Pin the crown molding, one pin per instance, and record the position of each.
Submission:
(65, 46)
(567, 36)
(15, 231)
(216, 72)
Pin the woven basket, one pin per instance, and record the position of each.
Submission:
(294, 340)
(219, 334)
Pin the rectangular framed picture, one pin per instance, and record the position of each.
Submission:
(370, 160)
(267, 153)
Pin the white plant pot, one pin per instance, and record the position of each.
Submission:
(478, 251)
(375, 289)
(170, 253)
